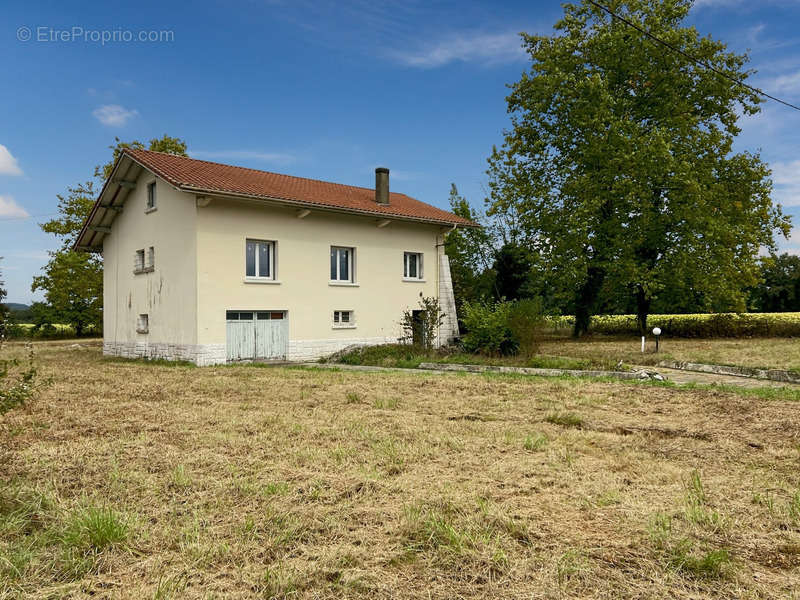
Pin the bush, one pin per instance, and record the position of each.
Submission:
(695, 325)
(17, 381)
(503, 327)
(527, 322)
(488, 328)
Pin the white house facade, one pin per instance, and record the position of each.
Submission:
(213, 263)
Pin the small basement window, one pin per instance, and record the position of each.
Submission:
(412, 265)
(143, 324)
(343, 319)
(151, 196)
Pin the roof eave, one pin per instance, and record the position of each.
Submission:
(318, 206)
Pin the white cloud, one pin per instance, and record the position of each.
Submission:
(114, 115)
(9, 209)
(279, 158)
(482, 48)
(705, 3)
(786, 176)
(8, 164)
(789, 83)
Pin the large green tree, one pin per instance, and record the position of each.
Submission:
(72, 282)
(779, 289)
(470, 252)
(619, 160)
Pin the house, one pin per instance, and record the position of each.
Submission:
(212, 263)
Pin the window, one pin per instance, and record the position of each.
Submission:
(259, 259)
(342, 264)
(412, 265)
(343, 319)
(143, 324)
(151, 195)
(236, 315)
(138, 261)
(144, 263)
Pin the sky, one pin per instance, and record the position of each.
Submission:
(322, 89)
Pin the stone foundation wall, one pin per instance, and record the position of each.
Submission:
(216, 354)
(201, 354)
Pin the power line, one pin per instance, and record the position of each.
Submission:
(695, 60)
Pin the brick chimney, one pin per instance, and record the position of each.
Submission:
(382, 185)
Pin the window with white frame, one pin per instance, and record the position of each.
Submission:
(412, 265)
(342, 264)
(260, 260)
(143, 324)
(151, 195)
(343, 318)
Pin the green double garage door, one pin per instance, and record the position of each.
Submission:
(257, 334)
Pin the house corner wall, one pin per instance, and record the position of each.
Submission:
(448, 331)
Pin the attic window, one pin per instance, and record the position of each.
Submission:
(151, 196)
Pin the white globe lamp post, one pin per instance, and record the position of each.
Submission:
(657, 333)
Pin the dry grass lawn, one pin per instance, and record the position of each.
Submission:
(133, 480)
(762, 353)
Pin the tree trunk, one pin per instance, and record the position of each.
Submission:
(586, 300)
(642, 309)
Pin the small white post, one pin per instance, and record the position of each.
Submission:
(642, 344)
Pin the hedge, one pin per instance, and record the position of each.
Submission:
(48, 332)
(696, 325)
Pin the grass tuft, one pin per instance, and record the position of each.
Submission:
(566, 419)
(94, 529)
(534, 442)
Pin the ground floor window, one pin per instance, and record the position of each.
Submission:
(343, 318)
(143, 324)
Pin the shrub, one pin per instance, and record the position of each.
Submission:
(526, 321)
(504, 327)
(421, 325)
(488, 326)
(17, 381)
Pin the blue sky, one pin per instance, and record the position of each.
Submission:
(323, 89)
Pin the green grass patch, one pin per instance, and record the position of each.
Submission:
(566, 419)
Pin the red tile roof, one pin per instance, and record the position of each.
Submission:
(195, 175)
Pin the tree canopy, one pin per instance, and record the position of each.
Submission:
(619, 167)
(780, 289)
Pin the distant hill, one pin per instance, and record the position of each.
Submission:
(16, 306)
